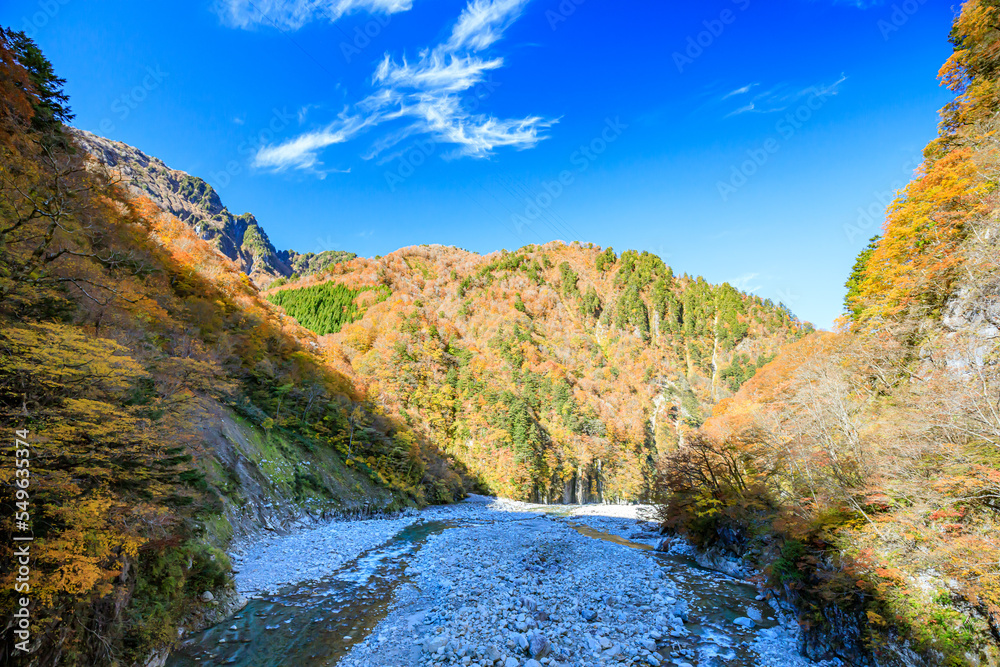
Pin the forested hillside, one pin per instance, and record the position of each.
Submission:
(193, 201)
(170, 404)
(862, 468)
(166, 406)
(558, 373)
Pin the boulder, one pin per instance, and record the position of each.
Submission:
(432, 645)
(539, 646)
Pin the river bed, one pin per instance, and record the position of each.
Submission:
(490, 583)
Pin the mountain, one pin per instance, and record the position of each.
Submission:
(860, 468)
(192, 200)
(665, 348)
(161, 407)
(166, 407)
(167, 404)
(555, 372)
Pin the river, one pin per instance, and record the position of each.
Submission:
(491, 583)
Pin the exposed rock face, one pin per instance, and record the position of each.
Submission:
(192, 200)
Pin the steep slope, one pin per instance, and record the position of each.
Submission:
(557, 372)
(160, 405)
(862, 468)
(192, 200)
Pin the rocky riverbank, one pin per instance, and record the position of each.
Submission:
(267, 563)
(520, 585)
(492, 583)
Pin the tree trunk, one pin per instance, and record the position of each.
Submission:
(715, 358)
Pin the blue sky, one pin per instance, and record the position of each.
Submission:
(743, 140)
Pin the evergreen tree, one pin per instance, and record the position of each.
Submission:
(853, 284)
(50, 103)
(606, 260)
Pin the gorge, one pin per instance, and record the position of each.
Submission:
(558, 454)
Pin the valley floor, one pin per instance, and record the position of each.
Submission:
(491, 582)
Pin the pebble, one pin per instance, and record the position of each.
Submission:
(307, 554)
(510, 587)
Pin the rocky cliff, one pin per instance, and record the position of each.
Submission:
(191, 199)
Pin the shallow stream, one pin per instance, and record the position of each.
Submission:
(312, 623)
(317, 622)
(714, 602)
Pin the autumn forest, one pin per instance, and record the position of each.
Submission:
(181, 383)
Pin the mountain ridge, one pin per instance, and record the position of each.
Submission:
(192, 200)
(593, 363)
(705, 340)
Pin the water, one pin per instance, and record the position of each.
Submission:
(714, 601)
(316, 623)
(312, 623)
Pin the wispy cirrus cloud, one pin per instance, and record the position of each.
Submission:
(745, 283)
(743, 109)
(425, 97)
(293, 14)
(860, 4)
(778, 97)
(483, 22)
(439, 72)
(740, 91)
(301, 151)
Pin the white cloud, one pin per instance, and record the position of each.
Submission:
(860, 4)
(739, 91)
(480, 138)
(781, 96)
(430, 97)
(743, 283)
(830, 89)
(293, 14)
(483, 22)
(436, 72)
(301, 152)
(743, 109)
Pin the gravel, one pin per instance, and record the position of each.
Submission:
(268, 563)
(515, 585)
(518, 589)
